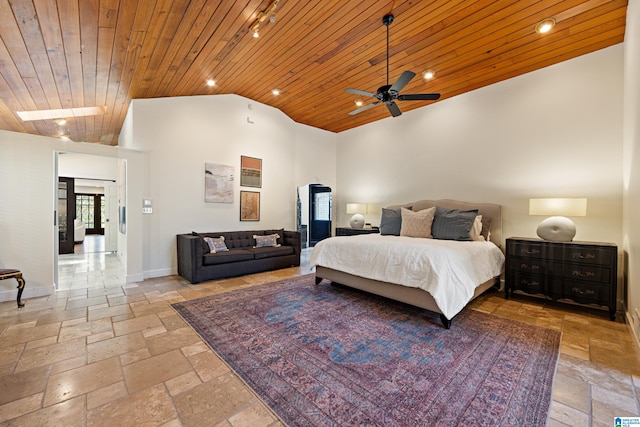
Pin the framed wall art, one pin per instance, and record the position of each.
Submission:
(218, 183)
(250, 172)
(249, 206)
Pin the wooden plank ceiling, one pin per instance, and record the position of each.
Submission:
(83, 53)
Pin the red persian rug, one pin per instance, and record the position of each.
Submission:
(331, 356)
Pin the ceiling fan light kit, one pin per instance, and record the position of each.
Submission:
(388, 94)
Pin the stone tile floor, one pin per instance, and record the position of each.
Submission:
(119, 355)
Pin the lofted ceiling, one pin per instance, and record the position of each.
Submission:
(83, 53)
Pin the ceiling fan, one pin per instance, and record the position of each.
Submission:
(389, 93)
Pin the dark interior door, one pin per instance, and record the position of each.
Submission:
(319, 213)
(66, 214)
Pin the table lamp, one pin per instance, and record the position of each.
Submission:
(357, 209)
(558, 228)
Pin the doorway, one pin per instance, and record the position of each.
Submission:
(320, 207)
(93, 260)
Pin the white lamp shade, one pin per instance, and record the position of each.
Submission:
(557, 228)
(356, 208)
(558, 206)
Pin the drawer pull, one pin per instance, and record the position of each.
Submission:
(530, 251)
(525, 266)
(582, 291)
(525, 282)
(579, 273)
(579, 255)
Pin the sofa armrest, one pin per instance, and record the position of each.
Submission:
(292, 238)
(189, 256)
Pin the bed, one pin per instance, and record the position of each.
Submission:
(410, 269)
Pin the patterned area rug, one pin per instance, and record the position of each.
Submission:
(330, 356)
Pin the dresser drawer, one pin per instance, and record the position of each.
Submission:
(587, 273)
(589, 255)
(530, 250)
(583, 293)
(529, 283)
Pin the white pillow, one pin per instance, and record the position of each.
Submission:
(476, 230)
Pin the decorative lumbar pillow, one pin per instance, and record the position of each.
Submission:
(216, 244)
(476, 230)
(453, 224)
(417, 224)
(270, 240)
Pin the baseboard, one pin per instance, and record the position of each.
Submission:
(635, 334)
(162, 272)
(28, 292)
(133, 278)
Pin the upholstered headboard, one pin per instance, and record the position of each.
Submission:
(487, 210)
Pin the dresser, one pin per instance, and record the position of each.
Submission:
(348, 231)
(583, 272)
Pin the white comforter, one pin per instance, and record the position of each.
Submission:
(448, 270)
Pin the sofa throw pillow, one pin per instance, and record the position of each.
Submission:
(216, 244)
(417, 224)
(453, 224)
(270, 240)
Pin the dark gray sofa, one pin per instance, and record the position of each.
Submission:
(196, 264)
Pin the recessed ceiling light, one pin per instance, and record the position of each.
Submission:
(211, 82)
(358, 102)
(60, 121)
(428, 74)
(256, 34)
(545, 26)
(275, 92)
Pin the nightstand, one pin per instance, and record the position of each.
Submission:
(583, 272)
(348, 231)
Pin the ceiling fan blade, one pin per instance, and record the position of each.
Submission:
(402, 81)
(419, 97)
(365, 107)
(393, 109)
(360, 92)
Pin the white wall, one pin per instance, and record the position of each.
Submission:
(631, 162)
(179, 135)
(87, 166)
(555, 132)
(27, 188)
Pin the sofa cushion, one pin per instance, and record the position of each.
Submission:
(272, 251)
(233, 255)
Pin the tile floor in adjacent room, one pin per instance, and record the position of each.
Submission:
(106, 354)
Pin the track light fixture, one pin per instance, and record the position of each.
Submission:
(268, 14)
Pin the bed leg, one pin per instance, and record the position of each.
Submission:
(446, 322)
(318, 280)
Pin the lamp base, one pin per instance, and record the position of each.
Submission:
(557, 229)
(357, 221)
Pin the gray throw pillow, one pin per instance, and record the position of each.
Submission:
(391, 222)
(453, 224)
